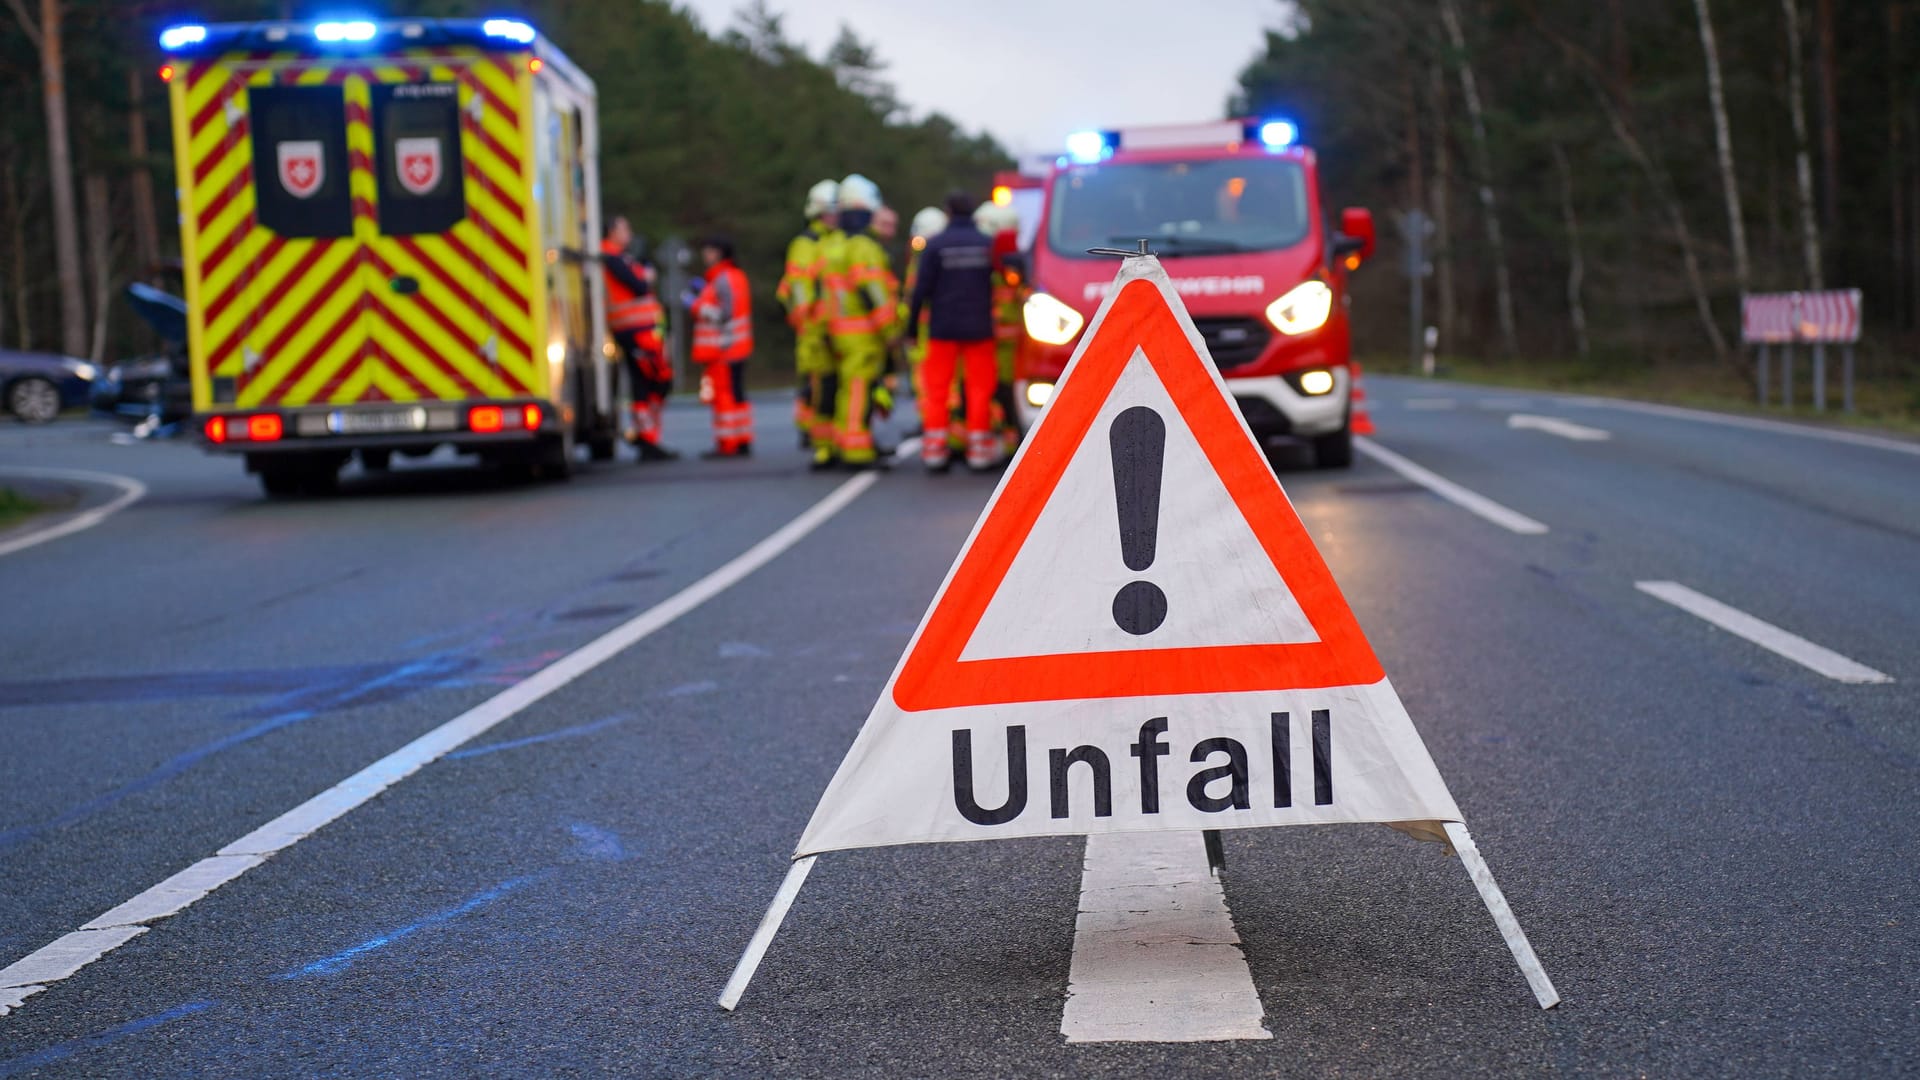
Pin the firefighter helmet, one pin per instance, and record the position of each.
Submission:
(928, 221)
(821, 198)
(859, 193)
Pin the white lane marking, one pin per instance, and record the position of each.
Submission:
(1764, 634)
(114, 928)
(1429, 403)
(130, 490)
(1553, 425)
(1155, 956)
(1778, 427)
(1503, 404)
(1511, 520)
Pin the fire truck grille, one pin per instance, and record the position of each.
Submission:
(1233, 342)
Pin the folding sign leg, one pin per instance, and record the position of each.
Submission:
(763, 936)
(1516, 938)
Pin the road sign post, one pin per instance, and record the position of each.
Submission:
(1818, 319)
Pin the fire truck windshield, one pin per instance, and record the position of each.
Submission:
(1201, 207)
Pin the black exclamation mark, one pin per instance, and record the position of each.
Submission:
(1138, 438)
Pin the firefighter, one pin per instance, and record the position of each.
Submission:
(1001, 224)
(800, 294)
(862, 305)
(927, 224)
(635, 316)
(722, 341)
(955, 286)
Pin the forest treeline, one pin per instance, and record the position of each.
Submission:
(703, 128)
(1606, 177)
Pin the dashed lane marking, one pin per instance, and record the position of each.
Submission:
(1472, 501)
(1553, 425)
(130, 491)
(1763, 633)
(1155, 955)
(65, 956)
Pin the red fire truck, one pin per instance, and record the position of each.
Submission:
(1234, 211)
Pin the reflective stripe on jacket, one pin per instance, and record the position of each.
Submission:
(862, 295)
(723, 317)
(799, 291)
(628, 308)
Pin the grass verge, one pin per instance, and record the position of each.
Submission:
(15, 507)
(1889, 401)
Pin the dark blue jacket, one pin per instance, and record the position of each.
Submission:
(955, 281)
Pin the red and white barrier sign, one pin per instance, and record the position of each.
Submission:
(1829, 317)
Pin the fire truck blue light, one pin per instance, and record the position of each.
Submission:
(511, 29)
(1278, 133)
(179, 37)
(1086, 146)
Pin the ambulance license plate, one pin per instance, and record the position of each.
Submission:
(377, 421)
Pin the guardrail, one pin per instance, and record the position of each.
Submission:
(1818, 319)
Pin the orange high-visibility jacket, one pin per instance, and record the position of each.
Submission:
(627, 311)
(723, 317)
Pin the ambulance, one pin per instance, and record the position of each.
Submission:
(390, 232)
(1235, 214)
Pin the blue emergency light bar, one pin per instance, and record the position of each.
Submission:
(347, 34)
(1091, 147)
(179, 37)
(1087, 147)
(356, 31)
(1278, 134)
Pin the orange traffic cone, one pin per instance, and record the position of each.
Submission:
(1362, 419)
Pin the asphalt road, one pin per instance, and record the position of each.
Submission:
(1710, 844)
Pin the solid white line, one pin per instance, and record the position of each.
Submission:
(130, 490)
(763, 934)
(1155, 955)
(114, 928)
(1474, 502)
(1553, 425)
(1764, 634)
(1778, 427)
(1496, 902)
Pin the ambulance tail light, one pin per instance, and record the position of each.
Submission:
(265, 427)
(486, 419)
(216, 429)
(1049, 321)
(530, 417)
(1303, 309)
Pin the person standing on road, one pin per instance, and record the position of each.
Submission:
(862, 304)
(722, 341)
(800, 293)
(635, 317)
(1010, 291)
(926, 225)
(955, 286)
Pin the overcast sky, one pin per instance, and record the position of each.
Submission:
(1030, 71)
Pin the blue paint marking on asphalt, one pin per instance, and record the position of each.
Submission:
(345, 958)
(562, 733)
(426, 672)
(704, 686)
(59, 1052)
(597, 843)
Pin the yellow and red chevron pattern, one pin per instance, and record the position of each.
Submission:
(290, 321)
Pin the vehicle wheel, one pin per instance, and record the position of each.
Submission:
(376, 460)
(1334, 451)
(556, 457)
(33, 400)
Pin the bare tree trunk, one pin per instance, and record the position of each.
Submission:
(1829, 134)
(1897, 173)
(16, 225)
(1802, 162)
(100, 259)
(1416, 161)
(1656, 180)
(1723, 144)
(1444, 318)
(1576, 260)
(146, 222)
(66, 228)
(1483, 164)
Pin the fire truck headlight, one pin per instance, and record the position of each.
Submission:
(1316, 382)
(1049, 321)
(1039, 393)
(1303, 309)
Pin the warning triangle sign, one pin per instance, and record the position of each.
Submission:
(1139, 635)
